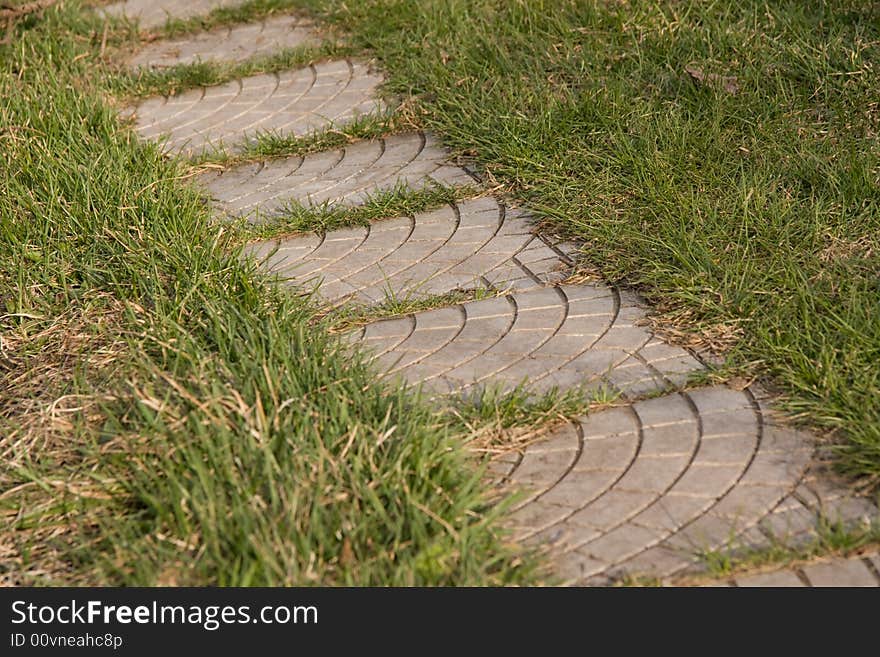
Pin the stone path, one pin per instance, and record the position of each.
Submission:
(155, 13)
(477, 243)
(290, 103)
(551, 337)
(861, 571)
(639, 489)
(348, 175)
(229, 44)
(645, 487)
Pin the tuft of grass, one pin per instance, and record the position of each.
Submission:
(349, 316)
(269, 144)
(169, 416)
(251, 10)
(131, 85)
(722, 157)
(499, 419)
(398, 201)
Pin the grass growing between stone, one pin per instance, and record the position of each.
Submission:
(173, 80)
(722, 157)
(245, 12)
(398, 201)
(349, 316)
(519, 408)
(266, 145)
(166, 415)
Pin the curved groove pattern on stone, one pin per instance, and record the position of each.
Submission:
(155, 13)
(234, 44)
(290, 103)
(348, 175)
(475, 243)
(642, 489)
(551, 337)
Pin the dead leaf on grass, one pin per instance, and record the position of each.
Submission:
(729, 82)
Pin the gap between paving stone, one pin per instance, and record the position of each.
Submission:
(235, 43)
(635, 490)
(155, 13)
(348, 175)
(855, 571)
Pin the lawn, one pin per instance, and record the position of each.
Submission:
(168, 416)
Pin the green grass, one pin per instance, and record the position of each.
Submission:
(168, 416)
(398, 201)
(520, 408)
(755, 213)
(351, 315)
(268, 144)
(250, 10)
(169, 81)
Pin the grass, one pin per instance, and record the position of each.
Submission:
(350, 316)
(721, 157)
(132, 85)
(398, 201)
(265, 145)
(498, 409)
(168, 416)
(248, 11)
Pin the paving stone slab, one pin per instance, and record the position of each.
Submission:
(453, 247)
(841, 572)
(848, 572)
(642, 490)
(234, 43)
(775, 579)
(288, 103)
(345, 176)
(155, 13)
(555, 337)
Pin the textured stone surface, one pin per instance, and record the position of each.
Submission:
(155, 13)
(778, 578)
(475, 243)
(348, 175)
(289, 103)
(644, 489)
(231, 43)
(840, 571)
(552, 337)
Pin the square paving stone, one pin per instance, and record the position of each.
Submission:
(779, 578)
(841, 572)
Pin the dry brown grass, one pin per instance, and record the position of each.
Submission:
(51, 434)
